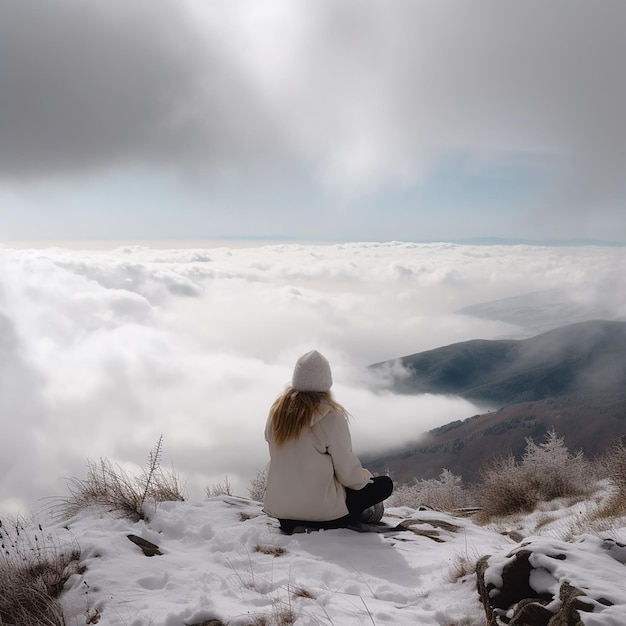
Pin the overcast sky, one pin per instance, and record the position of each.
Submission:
(101, 352)
(312, 120)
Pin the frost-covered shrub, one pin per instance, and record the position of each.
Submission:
(219, 489)
(444, 494)
(613, 467)
(503, 489)
(545, 472)
(552, 470)
(256, 489)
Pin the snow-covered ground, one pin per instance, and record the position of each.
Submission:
(224, 559)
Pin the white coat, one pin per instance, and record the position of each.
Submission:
(307, 476)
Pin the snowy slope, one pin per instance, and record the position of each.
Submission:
(224, 559)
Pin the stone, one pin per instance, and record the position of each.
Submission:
(147, 547)
(523, 605)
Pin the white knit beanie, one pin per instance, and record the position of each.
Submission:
(312, 373)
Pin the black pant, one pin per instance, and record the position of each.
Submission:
(356, 500)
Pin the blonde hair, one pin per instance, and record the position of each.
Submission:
(293, 410)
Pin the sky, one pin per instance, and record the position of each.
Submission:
(358, 120)
(103, 351)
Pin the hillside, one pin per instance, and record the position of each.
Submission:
(586, 422)
(583, 358)
(571, 379)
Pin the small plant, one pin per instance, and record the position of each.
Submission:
(613, 466)
(545, 472)
(552, 470)
(273, 550)
(115, 490)
(280, 616)
(462, 566)
(33, 571)
(503, 490)
(301, 592)
(256, 489)
(219, 489)
(444, 494)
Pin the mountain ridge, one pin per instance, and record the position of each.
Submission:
(571, 379)
(585, 357)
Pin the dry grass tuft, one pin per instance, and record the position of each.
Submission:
(609, 512)
(503, 490)
(301, 592)
(272, 550)
(462, 566)
(613, 466)
(283, 616)
(280, 616)
(219, 489)
(33, 571)
(111, 488)
(545, 520)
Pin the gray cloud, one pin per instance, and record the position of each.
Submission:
(357, 93)
(88, 86)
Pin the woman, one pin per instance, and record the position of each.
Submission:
(314, 479)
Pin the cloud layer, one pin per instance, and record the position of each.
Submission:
(354, 96)
(104, 351)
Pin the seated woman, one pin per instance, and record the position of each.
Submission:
(314, 479)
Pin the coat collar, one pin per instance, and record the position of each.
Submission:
(322, 411)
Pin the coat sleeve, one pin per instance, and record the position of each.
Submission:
(348, 469)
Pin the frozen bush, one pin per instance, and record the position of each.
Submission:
(219, 489)
(444, 494)
(613, 467)
(503, 489)
(552, 470)
(545, 472)
(256, 489)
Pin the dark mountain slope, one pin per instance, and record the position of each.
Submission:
(583, 358)
(586, 422)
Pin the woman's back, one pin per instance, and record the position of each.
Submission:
(311, 458)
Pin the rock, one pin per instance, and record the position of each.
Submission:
(531, 613)
(515, 590)
(147, 547)
(484, 589)
(515, 581)
(513, 601)
(436, 526)
(568, 614)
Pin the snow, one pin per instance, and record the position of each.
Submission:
(224, 559)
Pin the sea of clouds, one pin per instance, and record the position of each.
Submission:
(103, 351)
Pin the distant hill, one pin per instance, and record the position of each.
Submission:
(572, 379)
(539, 311)
(582, 358)
(586, 422)
(501, 241)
